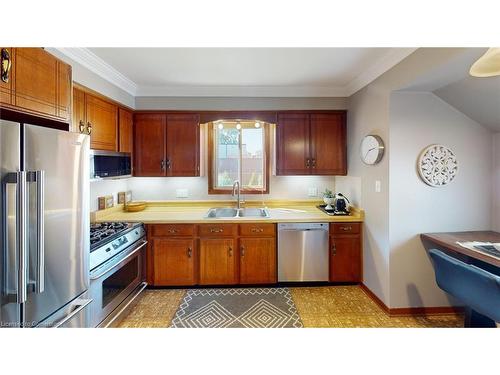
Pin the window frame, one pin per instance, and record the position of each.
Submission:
(266, 127)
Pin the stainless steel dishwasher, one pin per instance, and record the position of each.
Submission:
(303, 252)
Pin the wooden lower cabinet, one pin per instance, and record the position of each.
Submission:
(345, 258)
(228, 254)
(174, 261)
(218, 261)
(257, 260)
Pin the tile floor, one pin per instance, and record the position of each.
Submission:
(331, 306)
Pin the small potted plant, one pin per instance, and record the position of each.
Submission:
(328, 198)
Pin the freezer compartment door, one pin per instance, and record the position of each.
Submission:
(57, 166)
(10, 165)
(74, 315)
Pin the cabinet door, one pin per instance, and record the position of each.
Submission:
(345, 258)
(102, 123)
(257, 260)
(6, 88)
(174, 261)
(64, 86)
(183, 145)
(328, 144)
(149, 145)
(125, 120)
(292, 145)
(78, 116)
(36, 81)
(217, 261)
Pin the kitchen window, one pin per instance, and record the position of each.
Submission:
(239, 151)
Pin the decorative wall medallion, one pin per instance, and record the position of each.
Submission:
(437, 165)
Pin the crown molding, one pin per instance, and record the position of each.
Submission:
(242, 91)
(393, 57)
(95, 64)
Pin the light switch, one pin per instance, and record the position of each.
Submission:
(181, 193)
(313, 192)
(377, 186)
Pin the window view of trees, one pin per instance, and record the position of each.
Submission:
(239, 155)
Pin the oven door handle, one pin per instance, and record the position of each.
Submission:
(137, 249)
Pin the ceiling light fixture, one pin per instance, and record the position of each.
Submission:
(487, 65)
(221, 125)
(257, 124)
(238, 126)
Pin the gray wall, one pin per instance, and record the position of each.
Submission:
(369, 113)
(237, 104)
(496, 182)
(418, 120)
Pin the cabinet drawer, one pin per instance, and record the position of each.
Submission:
(345, 228)
(216, 230)
(172, 230)
(257, 230)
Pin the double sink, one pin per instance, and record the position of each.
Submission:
(235, 213)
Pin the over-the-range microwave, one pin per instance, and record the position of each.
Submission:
(108, 164)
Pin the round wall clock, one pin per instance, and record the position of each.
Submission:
(372, 149)
(437, 165)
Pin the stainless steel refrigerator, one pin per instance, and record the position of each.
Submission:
(44, 206)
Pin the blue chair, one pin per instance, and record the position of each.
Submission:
(475, 287)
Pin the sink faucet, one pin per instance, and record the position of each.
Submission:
(236, 187)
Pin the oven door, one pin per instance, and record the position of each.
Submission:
(112, 282)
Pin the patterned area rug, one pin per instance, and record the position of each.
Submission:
(237, 308)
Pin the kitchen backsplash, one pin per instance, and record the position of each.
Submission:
(161, 188)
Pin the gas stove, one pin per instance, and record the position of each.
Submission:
(101, 233)
(109, 239)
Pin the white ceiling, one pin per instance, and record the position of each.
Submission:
(266, 72)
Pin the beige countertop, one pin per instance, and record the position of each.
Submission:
(195, 212)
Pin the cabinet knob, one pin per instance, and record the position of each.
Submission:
(242, 250)
(314, 163)
(190, 252)
(216, 230)
(89, 128)
(81, 126)
(334, 249)
(308, 163)
(6, 64)
(230, 251)
(345, 229)
(173, 230)
(257, 230)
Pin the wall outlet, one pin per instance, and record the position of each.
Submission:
(378, 186)
(312, 192)
(181, 193)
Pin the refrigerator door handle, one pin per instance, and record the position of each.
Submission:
(19, 178)
(40, 230)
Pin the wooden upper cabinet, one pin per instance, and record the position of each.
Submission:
(183, 145)
(217, 261)
(125, 122)
(311, 143)
(166, 145)
(292, 144)
(150, 144)
(174, 261)
(102, 122)
(78, 122)
(257, 260)
(64, 83)
(328, 144)
(39, 84)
